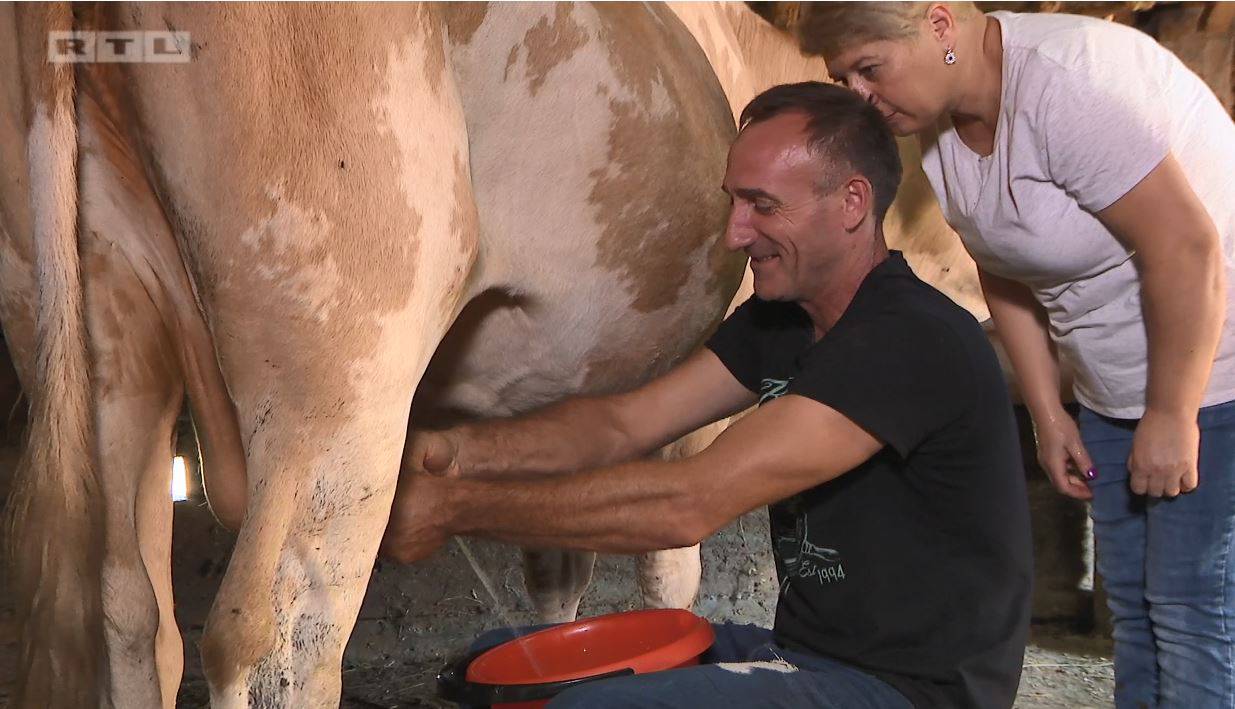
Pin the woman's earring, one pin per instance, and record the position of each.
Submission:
(950, 57)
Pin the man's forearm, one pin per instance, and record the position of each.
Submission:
(573, 435)
(631, 508)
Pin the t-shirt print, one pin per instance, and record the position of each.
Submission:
(804, 560)
(770, 389)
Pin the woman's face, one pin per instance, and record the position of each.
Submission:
(905, 79)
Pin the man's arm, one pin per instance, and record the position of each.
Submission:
(787, 446)
(588, 432)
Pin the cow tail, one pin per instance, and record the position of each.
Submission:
(55, 511)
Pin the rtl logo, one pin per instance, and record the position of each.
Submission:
(118, 47)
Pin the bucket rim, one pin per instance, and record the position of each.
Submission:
(454, 685)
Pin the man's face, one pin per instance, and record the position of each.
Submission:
(780, 218)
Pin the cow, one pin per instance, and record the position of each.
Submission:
(287, 227)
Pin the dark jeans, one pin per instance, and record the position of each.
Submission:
(744, 668)
(1168, 566)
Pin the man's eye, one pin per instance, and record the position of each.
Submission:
(764, 207)
(868, 71)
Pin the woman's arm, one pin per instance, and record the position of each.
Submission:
(1178, 255)
(1021, 325)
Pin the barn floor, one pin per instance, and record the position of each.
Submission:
(1062, 671)
(1073, 678)
(413, 617)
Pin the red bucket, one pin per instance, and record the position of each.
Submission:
(528, 671)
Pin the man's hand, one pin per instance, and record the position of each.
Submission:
(431, 452)
(1164, 456)
(1064, 458)
(418, 517)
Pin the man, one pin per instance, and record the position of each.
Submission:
(884, 444)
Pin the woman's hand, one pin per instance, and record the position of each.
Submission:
(1063, 456)
(1164, 456)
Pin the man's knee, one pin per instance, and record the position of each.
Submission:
(490, 638)
(625, 692)
(584, 696)
(497, 636)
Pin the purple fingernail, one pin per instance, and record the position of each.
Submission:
(1091, 474)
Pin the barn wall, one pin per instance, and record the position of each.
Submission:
(1199, 33)
(1203, 37)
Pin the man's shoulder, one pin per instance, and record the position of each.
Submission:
(767, 317)
(908, 304)
(944, 337)
(929, 333)
(774, 312)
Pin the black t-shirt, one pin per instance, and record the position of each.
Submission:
(914, 566)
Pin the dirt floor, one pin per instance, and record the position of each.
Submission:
(1066, 669)
(414, 619)
(1063, 670)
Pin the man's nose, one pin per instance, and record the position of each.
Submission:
(738, 232)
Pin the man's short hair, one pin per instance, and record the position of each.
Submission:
(845, 133)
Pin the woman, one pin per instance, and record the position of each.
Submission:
(1087, 171)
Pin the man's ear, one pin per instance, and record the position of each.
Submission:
(857, 203)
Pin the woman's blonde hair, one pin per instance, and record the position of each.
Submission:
(827, 28)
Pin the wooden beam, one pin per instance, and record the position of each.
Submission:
(1219, 18)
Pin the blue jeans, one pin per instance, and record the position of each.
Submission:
(1168, 566)
(768, 676)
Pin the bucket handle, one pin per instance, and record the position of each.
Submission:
(452, 685)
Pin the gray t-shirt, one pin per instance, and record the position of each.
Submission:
(1089, 108)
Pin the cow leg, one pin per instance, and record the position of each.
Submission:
(154, 532)
(326, 310)
(145, 651)
(138, 389)
(322, 466)
(670, 578)
(323, 456)
(556, 580)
